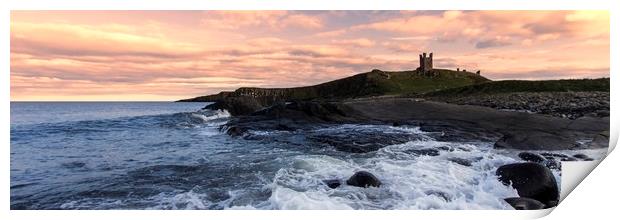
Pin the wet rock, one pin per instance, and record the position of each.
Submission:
(534, 140)
(236, 131)
(568, 159)
(583, 157)
(546, 154)
(427, 152)
(531, 157)
(457, 131)
(461, 148)
(531, 180)
(363, 179)
(552, 164)
(460, 161)
(520, 203)
(600, 140)
(334, 183)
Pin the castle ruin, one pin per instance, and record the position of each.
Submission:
(426, 63)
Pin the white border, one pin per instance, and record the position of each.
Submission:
(583, 203)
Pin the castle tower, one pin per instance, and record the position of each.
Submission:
(426, 63)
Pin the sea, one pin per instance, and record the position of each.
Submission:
(174, 155)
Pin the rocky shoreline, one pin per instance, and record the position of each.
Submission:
(508, 129)
(527, 122)
(570, 105)
(469, 121)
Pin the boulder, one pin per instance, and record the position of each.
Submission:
(547, 154)
(552, 164)
(333, 183)
(583, 157)
(460, 161)
(427, 152)
(520, 203)
(531, 157)
(236, 131)
(363, 179)
(531, 180)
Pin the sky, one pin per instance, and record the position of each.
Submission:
(170, 55)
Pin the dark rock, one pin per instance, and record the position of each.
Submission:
(520, 203)
(236, 131)
(538, 140)
(552, 164)
(546, 154)
(531, 157)
(363, 179)
(457, 131)
(460, 161)
(332, 183)
(238, 105)
(308, 111)
(600, 140)
(461, 148)
(427, 152)
(570, 105)
(531, 180)
(582, 157)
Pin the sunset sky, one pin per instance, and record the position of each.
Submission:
(168, 55)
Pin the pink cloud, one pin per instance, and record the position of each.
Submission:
(358, 42)
(233, 20)
(142, 55)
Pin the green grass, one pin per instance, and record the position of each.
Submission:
(377, 83)
(413, 83)
(507, 86)
(374, 83)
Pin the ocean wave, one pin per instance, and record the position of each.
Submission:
(177, 120)
(409, 181)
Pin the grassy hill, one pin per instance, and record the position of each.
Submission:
(374, 83)
(509, 86)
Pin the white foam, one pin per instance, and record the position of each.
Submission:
(217, 115)
(212, 122)
(409, 182)
(182, 200)
(413, 130)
